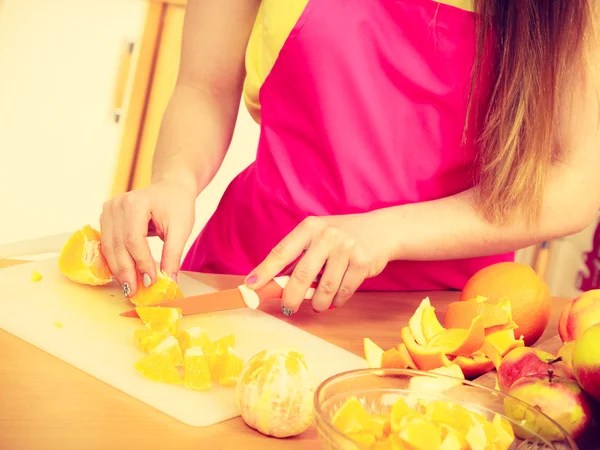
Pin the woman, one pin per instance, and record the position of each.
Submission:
(404, 144)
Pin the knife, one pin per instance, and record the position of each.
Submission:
(240, 297)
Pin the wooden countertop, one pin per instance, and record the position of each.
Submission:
(48, 404)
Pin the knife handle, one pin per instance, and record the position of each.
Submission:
(273, 289)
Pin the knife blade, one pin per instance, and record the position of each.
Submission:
(237, 298)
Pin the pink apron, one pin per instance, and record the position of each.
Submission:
(363, 109)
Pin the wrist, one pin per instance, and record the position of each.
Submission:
(387, 231)
(183, 179)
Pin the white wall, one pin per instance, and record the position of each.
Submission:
(58, 143)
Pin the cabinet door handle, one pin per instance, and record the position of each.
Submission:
(121, 83)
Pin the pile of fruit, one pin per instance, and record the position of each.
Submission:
(428, 424)
(169, 350)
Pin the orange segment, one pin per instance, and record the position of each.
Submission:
(216, 348)
(81, 259)
(424, 358)
(373, 353)
(392, 359)
(504, 431)
(400, 412)
(456, 341)
(161, 364)
(430, 324)
(421, 434)
(163, 289)
(147, 339)
(366, 439)
(158, 318)
(193, 337)
(415, 322)
(228, 366)
(197, 375)
(352, 418)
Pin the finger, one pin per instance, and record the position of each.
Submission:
(330, 281)
(176, 236)
(125, 274)
(136, 218)
(283, 254)
(106, 236)
(351, 281)
(305, 273)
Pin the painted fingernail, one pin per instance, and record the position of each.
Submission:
(252, 279)
(314, 310)
(126, 289)
(147, 280)
(286, 311)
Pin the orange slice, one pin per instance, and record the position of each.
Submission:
(197, 375)
(352, 418)
(461, 314)
(158, 318)
(228, 366)
(216, 348)
(163, 289)
(161, 364)
(373, 353)
(81, 259)
(460, 342)
(146, 339)
(193, 337)
(474, 365)
(420, 434)
(415, 323)
(424, 358)
(430, 324)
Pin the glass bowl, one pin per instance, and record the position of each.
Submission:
(378, 390)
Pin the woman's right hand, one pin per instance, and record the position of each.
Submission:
(165, 209)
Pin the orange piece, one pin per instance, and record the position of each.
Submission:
(147, 339)
(529, 295)
(430, 324)
(197, 374)
(373, 353)
(217, 348)
(228, 366)
(158, 318)
(161, 364)
(456, 341)
(352, 418)
(415, 323)
(36, 276)
(163, 289)
(504, 431)
(420, 434)
(424, 358)
(474, 365)
(461, 314)
(81, 259)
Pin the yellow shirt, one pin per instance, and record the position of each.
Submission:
(274, 22)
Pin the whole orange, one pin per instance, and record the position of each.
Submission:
(529, 295)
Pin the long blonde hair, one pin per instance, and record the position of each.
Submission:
(537, 46)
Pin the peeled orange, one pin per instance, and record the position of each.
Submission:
(81, 258)
(275, 393)
(528, 294)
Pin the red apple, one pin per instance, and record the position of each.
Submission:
(525, 361)
(579, 314)
(586, 361)
(559, 398)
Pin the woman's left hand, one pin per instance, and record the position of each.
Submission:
(348, 249)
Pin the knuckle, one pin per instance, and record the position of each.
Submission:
(123, 273)
(301, 274)
(330, 233)
(312, 223)
(131, 240)
(117, 243)
(129, 201)
(345, 292)
(278, 252)
(359, 260)
(327, 287)
(348, 244)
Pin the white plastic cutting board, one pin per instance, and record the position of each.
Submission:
(81, 325)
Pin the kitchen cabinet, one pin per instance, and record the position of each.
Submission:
(62, 64)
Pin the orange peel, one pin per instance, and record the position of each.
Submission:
(425, 358)
(461, 314)
(373, 353)
(474, 365)
(415, 323)
(460, 342)
(430, 325)
(406, 356)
